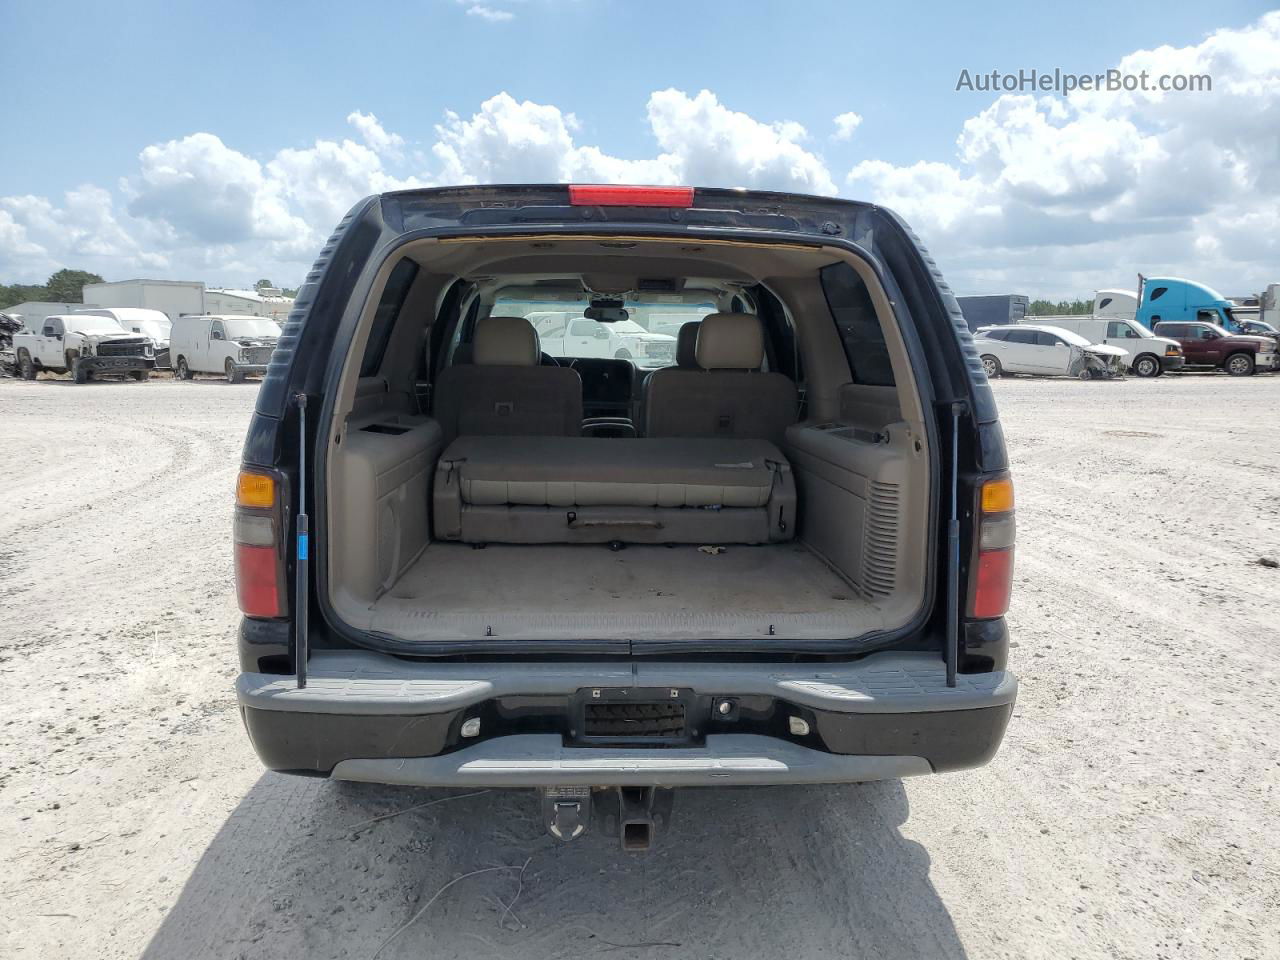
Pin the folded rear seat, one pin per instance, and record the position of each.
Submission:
(595, 490)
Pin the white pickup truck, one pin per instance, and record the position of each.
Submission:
(563, 334)
(85, 346)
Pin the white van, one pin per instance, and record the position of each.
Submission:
(152, 324)
(1149, 355)
(233, 346)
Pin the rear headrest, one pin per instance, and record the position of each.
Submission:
(730, 341)
(505, 342)
(687, 345)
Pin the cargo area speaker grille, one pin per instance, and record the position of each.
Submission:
(880, 540)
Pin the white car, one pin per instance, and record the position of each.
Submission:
(152, 324)
(1047, 351)
(573, 335)
(229, 345)
(1149, 355)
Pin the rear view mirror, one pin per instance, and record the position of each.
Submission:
(606, 314)
(606, 310)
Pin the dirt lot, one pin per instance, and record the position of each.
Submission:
(1133, 811)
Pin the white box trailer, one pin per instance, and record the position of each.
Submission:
(174, 298)
(1269, 305)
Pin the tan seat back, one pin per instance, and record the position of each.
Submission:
(728, 396)
(504, 391)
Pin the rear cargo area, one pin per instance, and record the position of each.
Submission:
(550, 591)
(764, 472)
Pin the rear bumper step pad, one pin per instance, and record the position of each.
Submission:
(539, 759)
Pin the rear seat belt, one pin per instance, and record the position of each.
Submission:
(776, 470)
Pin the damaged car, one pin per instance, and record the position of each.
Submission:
(84, 346)
(1047, 351)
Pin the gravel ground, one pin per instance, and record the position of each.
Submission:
(1132, 811)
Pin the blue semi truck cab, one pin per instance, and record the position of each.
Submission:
(1171, 299)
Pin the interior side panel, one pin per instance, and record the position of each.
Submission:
(855, 489)
(384, 467)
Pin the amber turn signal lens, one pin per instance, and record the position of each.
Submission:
(997, 496)
(255, 490)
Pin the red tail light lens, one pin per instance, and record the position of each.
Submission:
(993, 574)
(258, 581)
(259, 558)
(995, 582)
(605, 195)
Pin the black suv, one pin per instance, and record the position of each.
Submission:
(775, 547)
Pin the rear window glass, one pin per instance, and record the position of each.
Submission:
(1021, 336)
(647, 337)
(384, 318)
(859, 327)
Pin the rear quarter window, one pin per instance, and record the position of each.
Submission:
(384, 318)
(859, 327)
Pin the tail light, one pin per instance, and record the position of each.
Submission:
(259, 544)
(992, 578)
(607, 195)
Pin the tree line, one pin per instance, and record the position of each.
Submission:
(1063, 308)
(65, 286)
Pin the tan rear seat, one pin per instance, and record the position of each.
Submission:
(504, 391)
(729, 396)
(591, 490)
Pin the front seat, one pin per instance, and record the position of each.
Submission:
(505, 391)
(687, 345)
(728, 396)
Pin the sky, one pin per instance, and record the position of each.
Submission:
(222, 142)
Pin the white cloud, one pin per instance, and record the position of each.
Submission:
(489, 13)
(708, 144)
(846, 123)
(374, 135)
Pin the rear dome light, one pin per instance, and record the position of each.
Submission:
(608, 195)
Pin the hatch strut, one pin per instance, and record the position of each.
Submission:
(303, 600)
(953, 547)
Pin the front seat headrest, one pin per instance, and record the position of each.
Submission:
(730, 341)
(505, 342)
(687, 345)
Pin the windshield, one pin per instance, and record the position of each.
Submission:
(251, 327)
(153, 328)
(1072, 338)
(647, 337)
(90, 324)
